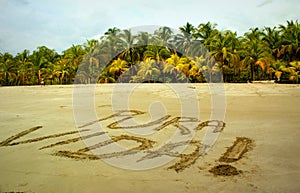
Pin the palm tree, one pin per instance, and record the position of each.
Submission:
(157, 53)
(90, 45)
(276, 68)
(223, 48)
(7, 68)
(195, 74)
(170, 70)
(180, 64)
(41, 58)
(184, 40)
(110, 45)
(204, 32)
(71, 59)
(184, 67)
(272, 38)
(148, 69)
(117, 68)
(128, 41)
(23, 63)
(112, 31)
(294, 71)
(105, 77)
(163, 36)
(144, 43)
(290, 40)
(144, 39)
(130, 51)
(255, 52)
(62, 71)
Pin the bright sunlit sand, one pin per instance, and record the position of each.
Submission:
(257, 149)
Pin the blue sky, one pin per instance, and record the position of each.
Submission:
(57, 24)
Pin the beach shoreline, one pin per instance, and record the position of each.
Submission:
(266, 114)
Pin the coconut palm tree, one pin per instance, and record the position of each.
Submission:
(7, 69)
(205, 32)
(148, 69)
(129, 42)
(255, 53)
(105, 77)
(117, 67)
(294, 71)
(144, 39)
(272, 38)
(290, 40)
(184, 40)
(89, 45)
(110, 46)
(61, 72)
(276, 68)
(224, 49)
(71, 59)
(157, 53)
(181, 64)
(163, 36)
(23, 63)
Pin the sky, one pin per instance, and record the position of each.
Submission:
(57, 24)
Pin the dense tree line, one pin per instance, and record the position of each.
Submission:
(196, 54)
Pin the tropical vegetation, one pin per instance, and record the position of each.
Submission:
(195, 54)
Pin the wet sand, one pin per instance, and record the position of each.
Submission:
(43, 150)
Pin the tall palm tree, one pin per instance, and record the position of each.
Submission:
(130, 51)
(110, 46)
(255, 53)
(40, 59)
(61, 71)
(163, 36)
(144, 39)
(144, 43)
(181, 64)
(272, 38)
(7, 68)
(195, 74)
(223, 48)
(157, 53)
(290, 40)
(276, 68)
(71, 59)
(105, 77)
(294, 71)
(90, 45)
(184, 40)
(128, 41)
(117, 67)
(148, 69)
(204, 32)
(23, 63)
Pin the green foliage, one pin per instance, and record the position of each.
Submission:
(196, 54)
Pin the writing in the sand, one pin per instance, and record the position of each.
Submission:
(143, 143)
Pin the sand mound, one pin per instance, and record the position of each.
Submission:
(224, 170)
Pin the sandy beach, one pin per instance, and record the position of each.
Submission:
(43, 148)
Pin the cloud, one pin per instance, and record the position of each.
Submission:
(265, 3)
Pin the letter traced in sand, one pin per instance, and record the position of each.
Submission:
(9, 141)
(144, 145)
(240, 146)
(81, 153)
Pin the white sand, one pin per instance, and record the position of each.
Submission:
(266, 113)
